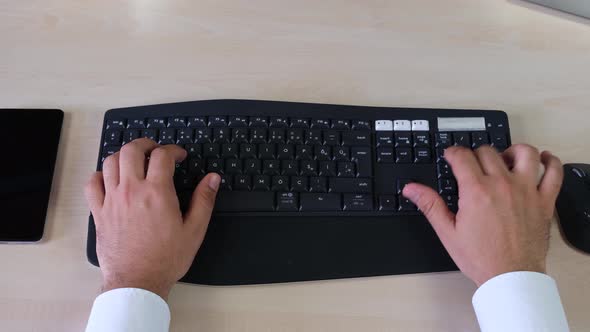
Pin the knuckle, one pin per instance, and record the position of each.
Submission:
(129, 148)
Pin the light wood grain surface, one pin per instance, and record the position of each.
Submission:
(88, 56)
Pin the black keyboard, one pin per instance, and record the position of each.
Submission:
(280, 161)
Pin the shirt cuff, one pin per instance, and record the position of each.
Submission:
(519, 301)
(129, 309)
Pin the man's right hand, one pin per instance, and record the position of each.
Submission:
(504, 211)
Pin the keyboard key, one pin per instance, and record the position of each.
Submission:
(177, 122)
(252, 166)
(112, 137)
(167, 136)
(479, 138)
(196, 122)
(318, 184)
(280, 183)
(267, 151)
(421, 139)
(499, 141)
(229, 151)
(289, 167)
(385, 155)
(350, 185)
(261, 183)
(299, 123)
(130, 135)
(327, 168)
(440, 155)
(383, 125)
(402, 125)
(387, 203)
(217, 121)
(362, 156)
(358, 202)
(196, 166)
(452, 202)
(403, 140)
(361, 125)
(247, 151)
(309, 167)
(462, 139)
(150, 133)
(136, 123)
(320, 202)
(226, 182)
(110, 150)
(115, 124)
(238, 121)
(156, 123)
(243, 182)
(295, 136)
(184, 136)
(346, 169)
(298, 183)
(443, 140)
(313, 136)
(235, 201)
(240, 135)
(447, 186)
(211, 150)
(405, 205)
(384, 138)
(342, 153)
(403, 155)
(202, 135)
(341, 124)
(323, 152)
(258, 135)
(287, 201)
(422, 156)
(276, 136)
(215, 166)
(303, 152)
(331, 137)
(356, 138)
(221, 135)
(270, 167)
(420, 125)
(320, 124)
(233, 166)
(285, 151)
(444, 170)
(259, 121)
(279, 122)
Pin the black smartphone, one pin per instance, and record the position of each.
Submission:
(30, 139)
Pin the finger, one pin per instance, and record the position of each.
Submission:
(433, 207)
(95, 192)
(162, 162)
(110, 172)
(132, 160)
(525, 161)
(552, 179)
(490, 161)
(464, 164)
(202, 203)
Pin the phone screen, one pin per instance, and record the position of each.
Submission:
(29, 149)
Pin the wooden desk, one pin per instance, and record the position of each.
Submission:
(88, 56)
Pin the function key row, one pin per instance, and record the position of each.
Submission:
(402, 125)
(237, 122)
(471, 140)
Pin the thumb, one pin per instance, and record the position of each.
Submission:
(199, 212)
(433, 207)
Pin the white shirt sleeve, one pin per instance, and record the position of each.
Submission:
(129, 309)
(519, 301)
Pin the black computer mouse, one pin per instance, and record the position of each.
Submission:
(573, 205)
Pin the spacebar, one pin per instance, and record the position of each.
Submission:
(244, 201)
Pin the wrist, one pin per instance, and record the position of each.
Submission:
(158, 288)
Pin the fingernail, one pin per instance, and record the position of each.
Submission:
(214, 181)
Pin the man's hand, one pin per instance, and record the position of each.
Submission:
(504, 212)
(142, 238)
